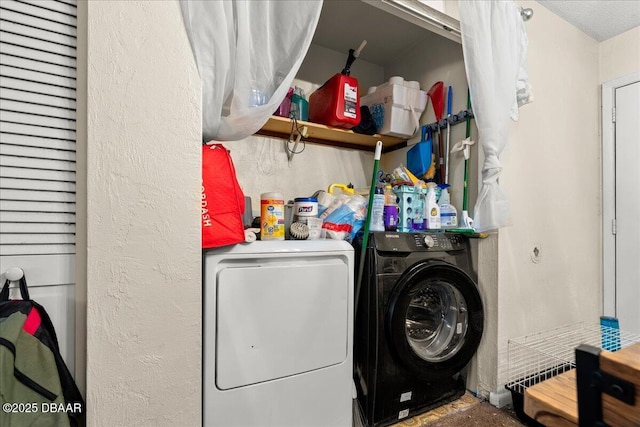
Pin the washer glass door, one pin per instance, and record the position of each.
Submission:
(436, 320)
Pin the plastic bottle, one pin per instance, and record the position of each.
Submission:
(433, 210)
(390, 215)
(448, 212)
(299, 105)
(377, 210)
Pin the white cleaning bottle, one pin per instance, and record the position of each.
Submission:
(448, 212)
(432, 210)
(377, 211)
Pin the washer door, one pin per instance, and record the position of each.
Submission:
(434, 319)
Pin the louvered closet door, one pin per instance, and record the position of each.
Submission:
(37, 154)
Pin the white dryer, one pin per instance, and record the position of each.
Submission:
(278, 334)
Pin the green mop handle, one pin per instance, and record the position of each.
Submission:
(367, 222)
(465, 193)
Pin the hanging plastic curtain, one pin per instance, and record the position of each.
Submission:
(248, 53)
(494, 42)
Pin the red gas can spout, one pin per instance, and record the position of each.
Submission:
(353, 54)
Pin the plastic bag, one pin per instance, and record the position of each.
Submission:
(347, 219)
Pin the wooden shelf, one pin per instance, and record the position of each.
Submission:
(280, 127)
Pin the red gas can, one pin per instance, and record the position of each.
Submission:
(337, 103)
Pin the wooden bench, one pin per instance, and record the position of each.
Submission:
(554, 402)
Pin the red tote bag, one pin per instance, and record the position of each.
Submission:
(222, 199)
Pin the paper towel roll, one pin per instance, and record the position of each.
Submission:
(250, 235)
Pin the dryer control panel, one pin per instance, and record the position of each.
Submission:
(418, 242)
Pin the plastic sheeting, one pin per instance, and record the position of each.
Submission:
(494, 43)
(247, 53)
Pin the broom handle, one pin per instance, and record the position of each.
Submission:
(367, 222)
(465, 195)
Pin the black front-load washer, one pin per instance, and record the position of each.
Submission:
(419, 322)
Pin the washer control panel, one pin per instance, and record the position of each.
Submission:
(418, 242)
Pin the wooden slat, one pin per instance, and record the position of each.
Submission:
(7, 250)
(553, 402)
(38, 217)
(38, 196)
(55, 6)
(39, 110)
(34, 141)
(32, 98)
(37, 131)
(32, 184)
(39, 121)
(37, 44)
(38, 153)
(34, 163)
(22, 206)
(39, 13)
(73, 3)
(34, 120)
(36, 65)
(37, 228)
(35, 87)
(37, 174)
(37, 33)
(50, 58)
(35, 22)
(37, 239)
(37, 77)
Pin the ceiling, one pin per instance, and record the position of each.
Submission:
(600, 19)
(389, 36)
(344, 24)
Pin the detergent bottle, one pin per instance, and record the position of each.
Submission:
(432, 208)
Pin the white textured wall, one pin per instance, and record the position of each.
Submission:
(620, 55)
(261, 166)
(143, 234)
(552, 176)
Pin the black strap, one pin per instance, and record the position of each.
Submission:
(4, 295)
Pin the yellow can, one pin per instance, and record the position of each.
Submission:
(272, 216)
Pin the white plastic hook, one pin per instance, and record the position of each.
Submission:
(14, 274)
